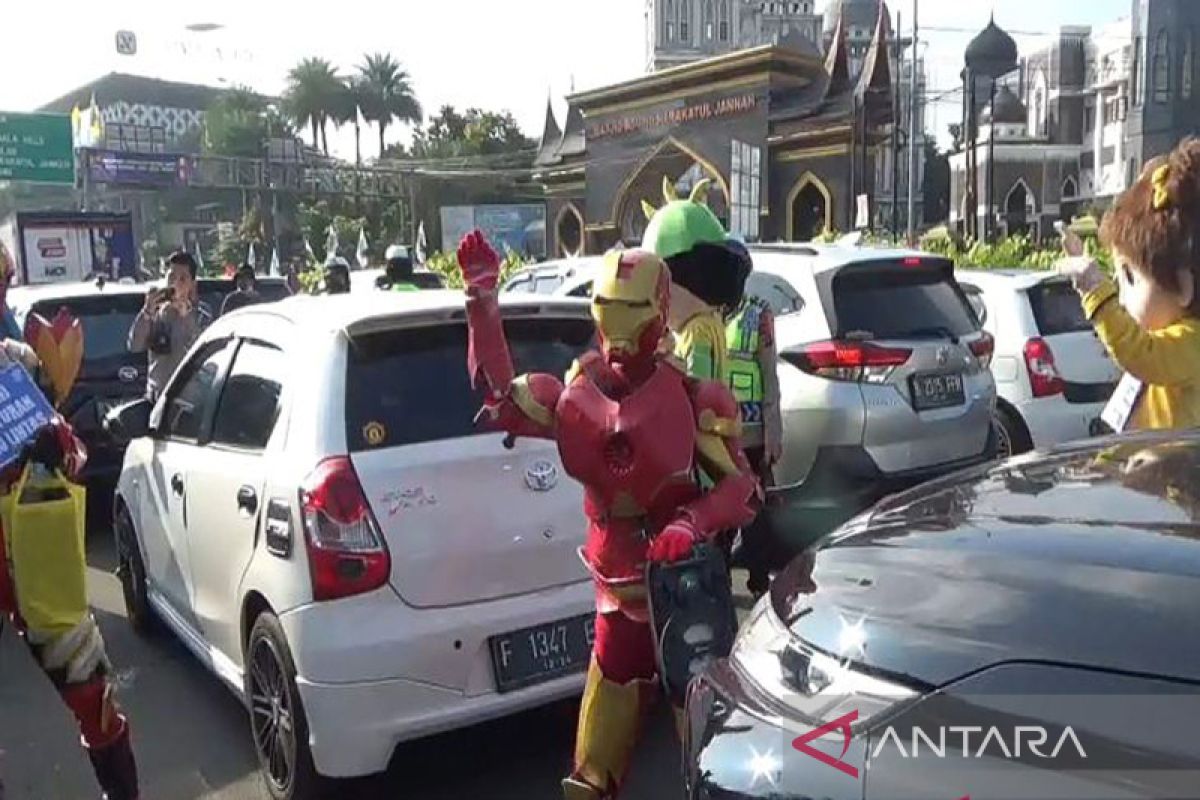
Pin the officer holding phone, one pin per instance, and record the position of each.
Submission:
(169, 323)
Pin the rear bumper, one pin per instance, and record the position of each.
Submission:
(374, 672)
(1052, 420)
(845, 481)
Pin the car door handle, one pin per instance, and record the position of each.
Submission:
(247, 500)
(177, 484)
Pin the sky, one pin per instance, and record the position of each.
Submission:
(495, 54)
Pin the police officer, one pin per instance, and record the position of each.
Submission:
(750, 339)
(398, 274)
(337, 276)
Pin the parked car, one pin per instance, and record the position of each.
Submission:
(565, 277)
(109, 376)
(883, 375)
(1053, 375)
(1057, 591)
(339, 544)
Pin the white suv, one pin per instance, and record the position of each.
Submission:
(310, 509)
(1052, 373)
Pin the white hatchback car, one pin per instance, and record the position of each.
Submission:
(1053, 375)
(310, 509)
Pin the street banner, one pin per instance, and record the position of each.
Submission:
(361, 253)
(276, 269)
(24, 410)
(157, 170)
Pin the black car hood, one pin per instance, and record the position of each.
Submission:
(1087, 556)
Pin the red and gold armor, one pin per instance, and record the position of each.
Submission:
(634, 430)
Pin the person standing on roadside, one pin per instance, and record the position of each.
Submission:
(398, 274)
(245, 293)
(169, 323)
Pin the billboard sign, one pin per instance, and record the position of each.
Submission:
(519, 228)
(151, 170)
(36, 148)
(74, 247)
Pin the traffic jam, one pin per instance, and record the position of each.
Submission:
(870, 526)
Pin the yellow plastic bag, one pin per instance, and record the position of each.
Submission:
(43, 518)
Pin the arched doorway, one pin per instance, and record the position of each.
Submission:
(1018, 209)
(568, 231)
(810, 209)
(684, 168)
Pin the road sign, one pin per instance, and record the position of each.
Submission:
(36, 148)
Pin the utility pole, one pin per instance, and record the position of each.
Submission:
(912, 133)
(896, 129)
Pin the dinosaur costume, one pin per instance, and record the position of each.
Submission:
(707, 277)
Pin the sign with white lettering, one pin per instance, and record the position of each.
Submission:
(37, 148)
(24, 411)
(670, 117)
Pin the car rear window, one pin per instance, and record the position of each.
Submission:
(106, 320)
(409, 386)
(1057, 309)
(890, 301)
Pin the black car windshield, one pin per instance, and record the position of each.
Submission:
(106, 319)
(1057, 309)
(890, 301)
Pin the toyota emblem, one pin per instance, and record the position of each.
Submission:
(127, 374)
(541, 476)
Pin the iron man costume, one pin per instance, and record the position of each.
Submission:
(633, 429)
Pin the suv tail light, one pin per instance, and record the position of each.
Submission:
(861, 362)
(983, 348)
(346, 552)
(1043, 373)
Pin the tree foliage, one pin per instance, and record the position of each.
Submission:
(315, 96)
(239, 123)
(475, 132)
(385, 94)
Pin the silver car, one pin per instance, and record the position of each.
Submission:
(884, 381)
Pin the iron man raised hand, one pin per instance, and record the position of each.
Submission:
(635, 431)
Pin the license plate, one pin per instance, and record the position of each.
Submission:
(542, 653)
(937, 391)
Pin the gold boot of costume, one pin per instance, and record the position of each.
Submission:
(610, 717)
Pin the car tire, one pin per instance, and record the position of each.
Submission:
(278, 724)
(1012, 437)
(131, 570)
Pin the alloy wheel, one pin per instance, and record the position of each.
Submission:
(272, 716)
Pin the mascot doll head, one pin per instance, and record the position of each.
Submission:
(706, 273)
(630, 297)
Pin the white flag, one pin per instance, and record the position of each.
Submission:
(331, 244)
(251, 258)
(422, 244)
(276, 269)
(199, 257)
(308, 251)
(361, 253)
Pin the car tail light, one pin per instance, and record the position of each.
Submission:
(912, 261)
(983, 348)
(1043, 373)
(346, 552)
(861, 362)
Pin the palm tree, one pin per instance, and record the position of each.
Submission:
(386, 94)
(313, 97)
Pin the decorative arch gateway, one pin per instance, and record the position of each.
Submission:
(680, 164)
(568, 231)
(1020, 209)
(809, 208)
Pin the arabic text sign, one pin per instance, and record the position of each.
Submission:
(24, 411)
(36, 148)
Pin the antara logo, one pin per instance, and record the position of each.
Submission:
(843, 723)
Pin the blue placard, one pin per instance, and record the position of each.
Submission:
(24, 411)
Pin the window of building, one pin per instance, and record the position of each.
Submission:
(1185, 78)
(1089, 119)
(709, 27)
(1136, 72)
(684, 20)
(1162, 67)
(668, 20)
(746, 186)
(723, 26)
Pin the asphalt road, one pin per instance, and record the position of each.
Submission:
(193, 741)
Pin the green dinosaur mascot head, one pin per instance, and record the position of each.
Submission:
(689, 237)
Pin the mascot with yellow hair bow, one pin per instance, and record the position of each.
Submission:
(42, 564)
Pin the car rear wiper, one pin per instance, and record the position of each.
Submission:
(938, 331)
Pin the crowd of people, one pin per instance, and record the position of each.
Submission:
(685, 370)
